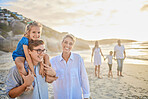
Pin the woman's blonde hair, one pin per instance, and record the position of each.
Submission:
(29, 26)
(96, 44)
(70, 36)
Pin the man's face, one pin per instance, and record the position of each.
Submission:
(37, 53)
(119, 42)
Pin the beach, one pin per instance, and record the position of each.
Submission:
(134, 84)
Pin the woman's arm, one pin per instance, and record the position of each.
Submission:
(28, 58)
(101, 52)
(84, 80)
(92, 54)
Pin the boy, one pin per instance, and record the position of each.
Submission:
(109, 57)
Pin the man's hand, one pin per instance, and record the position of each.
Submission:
(49, 71)
(124, 56)
(28, 79)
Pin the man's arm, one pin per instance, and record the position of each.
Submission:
(114, 53)
(124, 54)
(17, 91)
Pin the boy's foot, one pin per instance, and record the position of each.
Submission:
(117, 74)
(95, 74)
(108, 75)
(112, 76)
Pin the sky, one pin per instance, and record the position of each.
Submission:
(88, 19)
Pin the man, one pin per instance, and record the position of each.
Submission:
(119, 50)
(16, 85)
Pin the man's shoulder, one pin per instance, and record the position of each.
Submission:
(14, 68)
(13, 71)
(116, 45)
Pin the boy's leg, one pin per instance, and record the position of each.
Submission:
(19, 61)
(111, 70)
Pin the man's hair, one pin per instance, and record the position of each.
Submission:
(34, 43)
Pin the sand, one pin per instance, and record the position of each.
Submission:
(133, 84)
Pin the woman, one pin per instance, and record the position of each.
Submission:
(97, 58)
(71, 73)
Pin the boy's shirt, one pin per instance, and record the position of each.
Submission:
(109, 57)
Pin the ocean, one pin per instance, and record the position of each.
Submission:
(136, 52)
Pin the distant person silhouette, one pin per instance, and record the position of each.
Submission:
(120, 54)
(72, 79)
(97, 58)
(109, 57)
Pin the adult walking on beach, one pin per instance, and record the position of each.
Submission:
(17, 84)
(72, 77)
(120, 54)
(97, 58)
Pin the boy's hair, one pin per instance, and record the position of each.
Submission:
(70, 36)
(34, 43)
(111, 52)
(29, 26)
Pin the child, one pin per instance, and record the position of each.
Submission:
(109, 57)
(32, 32)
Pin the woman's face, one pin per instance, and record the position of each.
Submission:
(67, 45)
(96, 44)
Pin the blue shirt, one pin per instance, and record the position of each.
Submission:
(40, 90)
(72, 78)
(19, 52)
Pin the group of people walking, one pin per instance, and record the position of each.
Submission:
(33, 70)
(119, 55)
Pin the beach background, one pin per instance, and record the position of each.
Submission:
(134, 84)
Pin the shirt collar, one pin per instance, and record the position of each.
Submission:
(71, 57)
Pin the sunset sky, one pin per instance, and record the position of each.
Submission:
(88, 19)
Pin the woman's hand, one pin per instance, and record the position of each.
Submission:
(50, 79)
